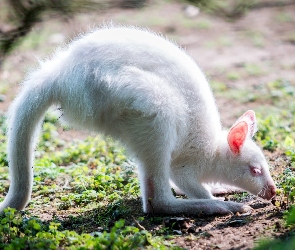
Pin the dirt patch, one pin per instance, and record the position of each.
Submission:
(235, 232)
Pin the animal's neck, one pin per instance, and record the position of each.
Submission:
(217, 163)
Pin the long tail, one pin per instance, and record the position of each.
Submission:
(24, 118)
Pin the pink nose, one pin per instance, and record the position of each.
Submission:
(272, 191)
(269, 192)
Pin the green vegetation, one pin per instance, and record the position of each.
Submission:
(203, 24)
(286, 244)
(233, 75)
(94, 179)
(284, 17)
(256, 37)
(17, 232)
(90, 189)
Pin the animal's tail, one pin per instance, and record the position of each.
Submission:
(24, 118)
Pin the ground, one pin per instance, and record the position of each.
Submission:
(238, 56)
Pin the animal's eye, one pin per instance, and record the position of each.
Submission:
(255, 171)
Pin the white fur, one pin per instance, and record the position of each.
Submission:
(145, 91)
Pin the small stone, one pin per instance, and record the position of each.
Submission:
(236, 223)
(191, 230)
(178, 232)
(96, 234)
(191, 11)
(2, 98)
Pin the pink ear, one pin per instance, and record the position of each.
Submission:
(237, 136)
(250, 118)
(251, 115)
(253, 124)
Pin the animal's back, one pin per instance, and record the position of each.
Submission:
(150, 72)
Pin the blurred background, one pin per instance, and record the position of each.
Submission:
(242, 46)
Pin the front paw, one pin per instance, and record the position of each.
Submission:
(229, 207)
(246, 209)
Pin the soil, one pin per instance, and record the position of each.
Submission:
(263, 37)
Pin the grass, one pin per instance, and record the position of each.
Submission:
(90, 189)
(142, 17)
(91, 182)
(276, 117)
(203, 24)
(284, 17)
(17, 232)
(253, 69)
(278, 244)
(255, 37)
(233, 75)
(290, 38)
(219, 43)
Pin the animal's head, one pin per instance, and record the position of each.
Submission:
(248, 165)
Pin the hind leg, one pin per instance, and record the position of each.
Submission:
(152, 148)
(157, 196)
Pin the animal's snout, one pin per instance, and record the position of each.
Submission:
(273, 191)
(268, 192)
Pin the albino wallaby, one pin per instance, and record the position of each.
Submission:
(148, 93)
